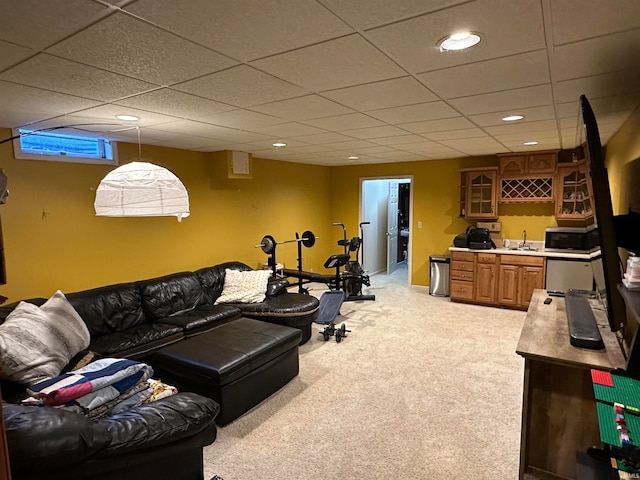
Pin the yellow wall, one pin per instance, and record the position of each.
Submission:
(53, 240)
(435, 204)
(623, 165)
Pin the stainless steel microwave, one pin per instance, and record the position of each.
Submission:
(574, 239)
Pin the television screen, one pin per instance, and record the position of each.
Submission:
(611, 271)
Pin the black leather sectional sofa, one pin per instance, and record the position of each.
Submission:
(141, 320)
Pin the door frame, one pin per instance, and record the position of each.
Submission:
(411, 213)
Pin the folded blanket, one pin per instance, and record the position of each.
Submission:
(92, 385)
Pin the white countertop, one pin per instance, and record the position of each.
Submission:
(539, 253)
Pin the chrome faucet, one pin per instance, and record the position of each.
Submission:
(524, 239)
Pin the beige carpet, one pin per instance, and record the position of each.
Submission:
(422, 388)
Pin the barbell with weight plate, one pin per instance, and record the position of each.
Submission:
(268, 243)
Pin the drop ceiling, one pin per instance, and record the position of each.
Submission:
(330, 78)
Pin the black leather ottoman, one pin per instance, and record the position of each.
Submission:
(238, 364)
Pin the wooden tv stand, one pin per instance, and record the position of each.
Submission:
(558, 405)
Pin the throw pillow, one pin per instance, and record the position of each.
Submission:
(244, 287)
(37, 342)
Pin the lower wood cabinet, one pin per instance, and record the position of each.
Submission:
(485, 278)
(496, 279)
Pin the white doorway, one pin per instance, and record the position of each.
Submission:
(387, 203)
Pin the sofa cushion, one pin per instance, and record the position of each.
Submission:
(136, 340)
(244, 286)
(212, 278)
(203, 318)
(109, 309)
(171, 295)
(37, 342)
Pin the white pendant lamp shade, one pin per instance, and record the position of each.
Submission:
(141, 189)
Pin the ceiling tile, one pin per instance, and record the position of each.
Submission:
(399, 156)
(244, 119)
(174, 103)
(511, 27)
(455, 123)
(363, 14)
(600, 105)
(286, 130)
(473, 133)
(324, 138)
(310, 149)
(303, 108)
(599, 18)
(519, 127)
(334, 64)
(399, 140)
(40, 23)
(530, 115)
(268, 145)
(22, 104)
(375, 132)
(507, 100)
(241, 86)
(65, 76)
(415, 113)
(126, 45)
(210, 131)
(384, 94)
(345, 122)
(596, 56)
(523, 70)
(246, 29)
(606, 85)
(108, 112)
(428, 148)
(350, 145)
(11, 54)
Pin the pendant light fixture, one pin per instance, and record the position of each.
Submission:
(141, 189)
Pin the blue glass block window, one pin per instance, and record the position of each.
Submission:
(63, 147)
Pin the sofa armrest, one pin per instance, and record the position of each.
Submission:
(164, 421)
(40, 438)
(45, 438)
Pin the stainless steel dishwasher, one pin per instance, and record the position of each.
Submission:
(439, 271)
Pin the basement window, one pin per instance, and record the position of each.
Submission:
(57, 147)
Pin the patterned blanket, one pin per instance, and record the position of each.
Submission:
(91, 386)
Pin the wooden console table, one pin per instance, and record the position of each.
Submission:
(558, 407)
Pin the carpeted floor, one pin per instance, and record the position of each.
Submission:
(421, 388)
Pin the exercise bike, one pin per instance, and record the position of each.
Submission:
(354, 276)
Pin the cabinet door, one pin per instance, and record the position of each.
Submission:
(508, 285)
(573, 195)
(481, 194)
(485, 283)
(531, 278)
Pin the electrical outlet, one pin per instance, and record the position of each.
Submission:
(419, 224)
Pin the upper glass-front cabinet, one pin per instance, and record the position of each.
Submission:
(573, 197)
(481, 194)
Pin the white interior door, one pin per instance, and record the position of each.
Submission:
(392, 228)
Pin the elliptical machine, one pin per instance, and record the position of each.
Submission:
(354, 275)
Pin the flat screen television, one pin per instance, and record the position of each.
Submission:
(611, 271)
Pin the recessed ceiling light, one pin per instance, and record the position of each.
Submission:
(129, 118)
(533, 142)
(512, 118)
(279, 144)
(458, 41)
(352, 157)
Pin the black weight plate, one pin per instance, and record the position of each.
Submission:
(268, 244)
(308, 239)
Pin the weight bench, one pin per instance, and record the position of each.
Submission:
(238, 364)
